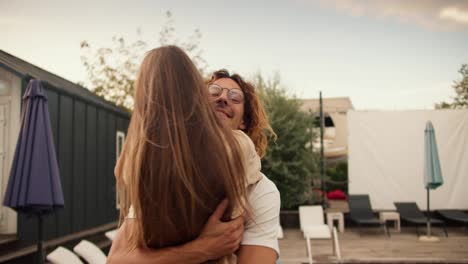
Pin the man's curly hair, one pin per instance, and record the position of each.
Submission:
(255, 119)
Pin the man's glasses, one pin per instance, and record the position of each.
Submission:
(234, 95)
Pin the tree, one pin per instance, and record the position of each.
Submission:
(461, 90)
(112, 70)
(337, 177)
(290, 161)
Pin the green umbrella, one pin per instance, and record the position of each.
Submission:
(432, 171)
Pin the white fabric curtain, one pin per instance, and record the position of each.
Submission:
(386, 157)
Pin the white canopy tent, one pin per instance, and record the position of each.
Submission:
(386, 157)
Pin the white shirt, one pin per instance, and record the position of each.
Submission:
(264, 199)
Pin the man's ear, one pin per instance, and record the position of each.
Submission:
(242, 125)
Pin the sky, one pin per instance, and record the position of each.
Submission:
(389, 55)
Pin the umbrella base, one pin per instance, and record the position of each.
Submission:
(429, 239)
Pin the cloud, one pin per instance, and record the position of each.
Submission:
(455, 14)
(429, 14)
(17, 20)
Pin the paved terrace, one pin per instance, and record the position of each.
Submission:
(372, 246)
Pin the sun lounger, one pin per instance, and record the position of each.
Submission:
(62, 255)
(312, 225)
(410, 213)
(360, 212)
(111, 234)
(90, 252)
(454, 215)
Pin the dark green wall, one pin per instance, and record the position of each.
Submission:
(85, 142)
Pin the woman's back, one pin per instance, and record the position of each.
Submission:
(179, 160)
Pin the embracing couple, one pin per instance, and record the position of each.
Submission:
(189, 173)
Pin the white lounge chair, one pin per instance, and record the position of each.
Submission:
(90, 252)
(62, 255)
(111, 234)
(312, 225)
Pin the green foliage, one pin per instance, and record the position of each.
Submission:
(289, 162)
(112, 70)
(461, 90)
(337, 177)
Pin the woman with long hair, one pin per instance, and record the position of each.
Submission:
(178, 160)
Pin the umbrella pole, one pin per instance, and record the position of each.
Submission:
(428, 237)
(427, 214)
(40, 248)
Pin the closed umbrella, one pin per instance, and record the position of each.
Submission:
(432, 172)
(34, 186)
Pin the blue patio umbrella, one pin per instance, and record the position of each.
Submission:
(34, 186)
(432, 172)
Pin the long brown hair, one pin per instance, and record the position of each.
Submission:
(256, 122)
(178, 161)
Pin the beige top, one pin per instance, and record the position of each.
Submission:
(251, 161)
(250, 157)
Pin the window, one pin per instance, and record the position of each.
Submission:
(328, 121)
(120, 142)
(120, 139)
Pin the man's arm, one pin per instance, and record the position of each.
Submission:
(216, 240)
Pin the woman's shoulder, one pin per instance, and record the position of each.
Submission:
(244, 141)
(240, 135)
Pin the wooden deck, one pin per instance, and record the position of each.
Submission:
(372, 246)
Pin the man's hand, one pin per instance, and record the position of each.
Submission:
(217, 239)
